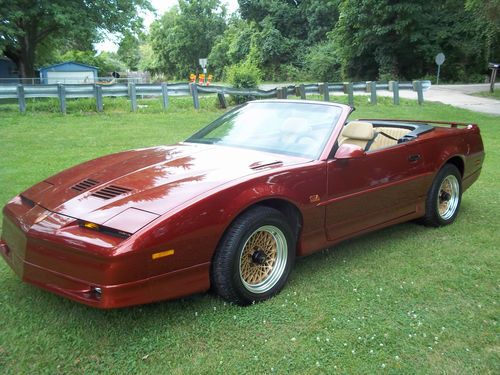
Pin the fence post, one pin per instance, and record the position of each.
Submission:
(133, 96)
(164, 95)
(61, 93)
(420, 92)
(194, 93)
(493, 77)
(21, 99)
(278, 93)
(394, 87)
(349, 90)
(222, 100)
(302, 91)
(323, 89)
(98, 97)
(371, 87)
(284, 92)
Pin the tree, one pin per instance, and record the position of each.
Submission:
(28, 26)
(488, 12)
(380, 39)
(185, 34)
(232, 47)
(284, 31)
(129, 51)
(322, 63)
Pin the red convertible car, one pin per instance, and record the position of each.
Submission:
(231, 207)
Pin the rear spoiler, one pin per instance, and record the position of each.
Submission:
(452, 124)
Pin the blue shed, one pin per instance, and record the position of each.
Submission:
(8, 71)
(68, 72)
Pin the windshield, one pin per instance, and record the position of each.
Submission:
(299, 129)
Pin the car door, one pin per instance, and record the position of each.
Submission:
(372, 189)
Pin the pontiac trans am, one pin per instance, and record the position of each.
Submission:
(231, 207)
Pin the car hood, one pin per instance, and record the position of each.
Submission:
(149, 181)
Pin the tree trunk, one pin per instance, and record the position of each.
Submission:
(27, 56)
(26, 63)
(24, 55)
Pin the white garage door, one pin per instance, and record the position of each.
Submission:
(70, 77)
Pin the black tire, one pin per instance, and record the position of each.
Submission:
(444, 197)
(254, 258)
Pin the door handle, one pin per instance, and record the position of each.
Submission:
(414, 157)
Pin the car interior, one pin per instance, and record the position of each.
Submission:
(372, 136)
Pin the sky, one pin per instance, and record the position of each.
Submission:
(161, 7)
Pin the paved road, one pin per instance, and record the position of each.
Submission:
(458, 96)
(455, 95)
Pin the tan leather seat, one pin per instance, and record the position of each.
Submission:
(387, 137)
(358, 133)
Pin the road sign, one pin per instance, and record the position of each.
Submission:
(203, 64)
(439, 59)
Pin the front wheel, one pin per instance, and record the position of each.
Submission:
(444, 197)
(254, 258)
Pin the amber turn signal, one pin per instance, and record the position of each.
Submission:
(162, 254)
(89, 225)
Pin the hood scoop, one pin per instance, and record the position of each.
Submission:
(265, 164)
(110, 191)
(85, 184)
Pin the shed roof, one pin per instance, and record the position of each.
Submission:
(68, 63)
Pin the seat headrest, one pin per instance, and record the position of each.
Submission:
(358, 130)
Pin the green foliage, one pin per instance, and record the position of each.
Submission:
(29, 27)
(322, 62)
(243, 75)
(148, 61)
(284, 28)
(286, 39)
(377, 38)
(129, 51)
(185, 34)
(487, 12)
(232, 47)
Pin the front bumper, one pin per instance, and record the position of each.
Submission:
(88, 268)
(168, 286)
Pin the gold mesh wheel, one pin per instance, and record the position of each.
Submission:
(263, 259)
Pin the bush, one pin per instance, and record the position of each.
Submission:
(321, 63)
(243, 76)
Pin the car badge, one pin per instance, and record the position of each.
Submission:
(314, 198)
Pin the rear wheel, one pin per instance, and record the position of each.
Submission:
(444, 197)
(255, 257)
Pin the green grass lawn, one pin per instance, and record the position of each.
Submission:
(487, 94)
(406, 299)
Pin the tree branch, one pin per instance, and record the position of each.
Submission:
(42, 34)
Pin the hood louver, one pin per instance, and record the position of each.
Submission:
(85, 184)
(110, 191)
(266, 164)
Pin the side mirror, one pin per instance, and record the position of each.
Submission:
(349, 151)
